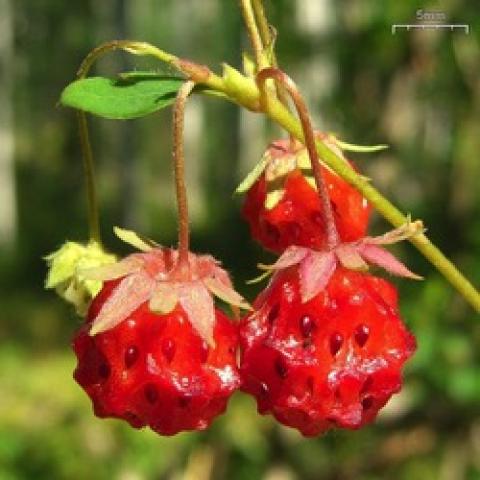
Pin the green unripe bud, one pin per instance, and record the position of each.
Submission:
(65, 272)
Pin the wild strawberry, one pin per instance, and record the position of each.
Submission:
(282, 206)
(332, 361)
(326, 344)
(154, 351)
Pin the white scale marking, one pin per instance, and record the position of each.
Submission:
(425, 26)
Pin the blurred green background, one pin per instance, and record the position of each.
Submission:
(417, 91)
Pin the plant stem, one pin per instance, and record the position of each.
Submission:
(137, 48)
(266, 36)
(283, 79)
(199, 73)
(253, 32)
(179, 169)
(89, 171)
(87, 155)
(263, 25)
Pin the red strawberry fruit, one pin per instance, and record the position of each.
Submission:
(331, 361)
(282, 206)
(154, 350)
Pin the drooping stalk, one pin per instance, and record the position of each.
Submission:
(87, 154)
(89, 171)
(179, 170)
(138, 48)
(283, 79)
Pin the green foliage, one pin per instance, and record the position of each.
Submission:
(129, 96)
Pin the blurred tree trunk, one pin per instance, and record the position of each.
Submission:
(8, 214)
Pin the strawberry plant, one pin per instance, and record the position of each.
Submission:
(322, 345)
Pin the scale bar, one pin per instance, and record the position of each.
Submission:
(425, 26)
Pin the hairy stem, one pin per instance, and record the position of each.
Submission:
(283, 79)
(89, 171)
(179, 169)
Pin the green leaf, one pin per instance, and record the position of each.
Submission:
(132, 95)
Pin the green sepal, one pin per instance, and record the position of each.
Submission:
(349, 147)
(65, 265)
(253, 175)
(240, 88)
(260, 278)
(134, 239)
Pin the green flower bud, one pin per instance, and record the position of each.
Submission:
(65, 272)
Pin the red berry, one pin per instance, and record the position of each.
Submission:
(154, 369)
(333, 361)
(296, 218)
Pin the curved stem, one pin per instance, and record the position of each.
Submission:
(87, 155)
(137, 48)
(199, 73)
(89, 170)
(179, 169)
(282, 78)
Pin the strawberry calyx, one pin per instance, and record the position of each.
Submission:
(280, 159)
(284, 156)
(158, 277)
(316, 267)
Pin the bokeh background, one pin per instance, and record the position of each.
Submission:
(417, 91)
